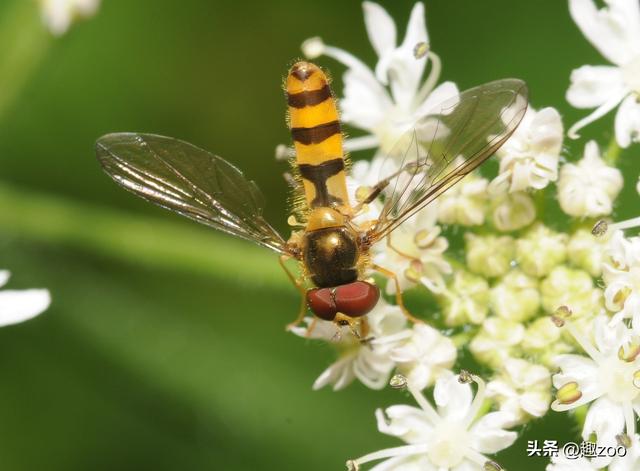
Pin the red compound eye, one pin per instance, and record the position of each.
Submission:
(322, 303)
(356, 299)
(353, 299)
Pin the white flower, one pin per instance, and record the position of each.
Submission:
(602, 181)
(621, 275)
(513, 211)
(20, 305)
(625, 460)
(522, 389)
(529, 158)
(572, 288)
(367, 103)
(425, 356)
(497, 340)
(631, 460)
(542, 341)
(366, 359)
(466, 299)
(362, 177)
(540, 250)
(516, 297)
(465, 203)
(587, 252)
(415, 252)
(451, 437)
(606, 380)
(615, 31)
(59, 14)
(489, 255)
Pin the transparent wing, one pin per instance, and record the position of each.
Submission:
(446, 145)
(190, 181)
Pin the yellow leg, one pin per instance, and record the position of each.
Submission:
(399, 299)
(298, 283)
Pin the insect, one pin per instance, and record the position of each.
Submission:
(331, 248)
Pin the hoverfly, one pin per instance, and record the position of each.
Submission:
(331, 248)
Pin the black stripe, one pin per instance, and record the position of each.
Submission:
(315, 134)
(309, 98)
(318, 175)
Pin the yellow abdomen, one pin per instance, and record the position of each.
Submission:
(315, 128)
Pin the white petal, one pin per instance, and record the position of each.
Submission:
(611, 30)
(595, 115)
(407, 70)
(578, 367)
(340, 374)
(380, 28)
(365, 104)
(19, 306)
(407, 422)
(443, 92)
(489, 435)
(606, 419)
(628, 121)
(546, 131)
(535, 403)
(4, 277)
(452, 397)
(593, 85)
(371, 369)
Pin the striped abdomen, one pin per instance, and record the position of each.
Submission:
(313, 118)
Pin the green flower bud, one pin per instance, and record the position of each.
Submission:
(516, 297)
(572, 288)
(497, 340)
(587, 252)
(540, 250)
(466, 300)
(542, 341)
(491, 255)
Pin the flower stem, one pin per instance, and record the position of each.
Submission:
(613, 151)
(138, 240)
(26, 42)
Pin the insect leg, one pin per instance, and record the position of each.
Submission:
(399, 300)
(300, 287)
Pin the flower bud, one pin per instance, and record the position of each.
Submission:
(588, 187)
(540, 250)
(490, 255)
(513, 211)
(466, 299)
(516, 297)
(497, 340)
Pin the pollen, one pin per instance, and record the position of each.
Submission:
(561, 315)
(600, 228)
(398, 381)
(352, 465)
(492, 466)
(629, 351)
(420, 50)
(423, 239)
(636, 379)
(569, 393)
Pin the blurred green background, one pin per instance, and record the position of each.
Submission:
(164, 347)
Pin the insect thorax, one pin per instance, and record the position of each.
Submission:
(330, 249)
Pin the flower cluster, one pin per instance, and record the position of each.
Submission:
(551, 308)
